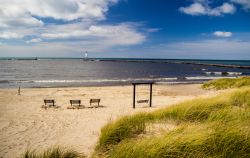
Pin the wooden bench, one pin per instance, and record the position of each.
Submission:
(51, 102)
(142, 101)
(94, 101)
(75, 102)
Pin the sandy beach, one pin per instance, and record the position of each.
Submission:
(25, 125)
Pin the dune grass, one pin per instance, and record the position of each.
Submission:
(225, 83)
(53, 152)
(212, 127)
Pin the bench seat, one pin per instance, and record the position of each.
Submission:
(49, 102)
(142, 101)
(91, 101)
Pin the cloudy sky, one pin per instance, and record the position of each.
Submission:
(184, 29)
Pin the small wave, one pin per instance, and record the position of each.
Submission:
(214, 73)
(170, 80)
(224, 73)
(180, 82)
(104, 80)
(128, 80)
(4, 81)
(234, 73)
(15, 81)
(206, 77)
(23, 81)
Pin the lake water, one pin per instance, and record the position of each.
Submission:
(76, 72)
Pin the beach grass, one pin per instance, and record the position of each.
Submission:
(226, 83)
(53, 152)
(210, 127)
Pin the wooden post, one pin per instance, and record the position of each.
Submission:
(134, 96)
(19, 91)
(150, 101)
(151, 91)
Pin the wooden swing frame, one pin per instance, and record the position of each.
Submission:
(143, 83)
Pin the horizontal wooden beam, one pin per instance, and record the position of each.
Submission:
(138, 83)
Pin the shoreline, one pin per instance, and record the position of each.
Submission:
(106, 83)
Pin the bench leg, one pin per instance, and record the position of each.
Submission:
(44, 106)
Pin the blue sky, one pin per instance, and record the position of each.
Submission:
(180, 29)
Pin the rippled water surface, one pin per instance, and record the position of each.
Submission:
(52, 73)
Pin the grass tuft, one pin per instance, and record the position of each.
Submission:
(127, 126)
(53, 152)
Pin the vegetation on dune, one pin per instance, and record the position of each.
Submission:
(53, 152)
(225, 83)
(212, 127)
(210, 139)
(115, 132)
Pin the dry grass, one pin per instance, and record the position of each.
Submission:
(212, 127)
(53, 152)
(227, 83)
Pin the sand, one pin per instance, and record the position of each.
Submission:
(25, 125)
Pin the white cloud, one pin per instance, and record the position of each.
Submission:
(62, 41)
(245, 3)
(122, 34)
(222, 34)
(227, 8)
(15, 16)
(201, 8)
(150, 30)
(194, 9)
(15, 13)
(10, 35)
(79, 23)
(34, 40)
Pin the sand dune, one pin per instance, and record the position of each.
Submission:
(25, 125)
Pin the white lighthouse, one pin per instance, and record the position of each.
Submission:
(85, 55)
